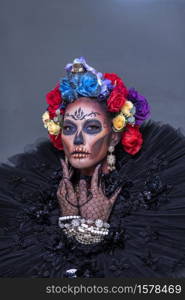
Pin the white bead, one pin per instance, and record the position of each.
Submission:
(81, 229)
(68, 217)
(89, 221)
(61, 225)
(87, 236)
(75, 222)
(99, 223)
(85, 225)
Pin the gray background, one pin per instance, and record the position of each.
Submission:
(141, 40)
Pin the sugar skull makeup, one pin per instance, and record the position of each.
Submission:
(86, 133)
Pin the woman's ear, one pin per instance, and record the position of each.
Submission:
(115, 139)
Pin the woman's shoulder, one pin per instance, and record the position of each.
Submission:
(38, 153)
(149, 213)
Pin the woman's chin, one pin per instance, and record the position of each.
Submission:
(81, 163)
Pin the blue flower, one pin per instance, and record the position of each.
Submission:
(67, 90)
(88, 85)
(76, 85)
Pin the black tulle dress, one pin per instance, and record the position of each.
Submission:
(147, 233)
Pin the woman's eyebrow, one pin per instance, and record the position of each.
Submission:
(91, 121)
(69, 122)
(85, 122)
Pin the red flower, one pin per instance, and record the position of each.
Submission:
(132, 140)
(56, 141)
(118, 95)
(117, 82)
(54, 97)
(54, 100)
(115, 101)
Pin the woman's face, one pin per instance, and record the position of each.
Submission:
(86, 133)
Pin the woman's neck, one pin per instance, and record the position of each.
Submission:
(90, 171)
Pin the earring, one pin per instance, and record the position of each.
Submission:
(111, 159)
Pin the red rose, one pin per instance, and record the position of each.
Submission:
(115, 101)
(117, 82)
(54, 97)
(56, 141)
(54, 100)
(132, 140)
(118, 95)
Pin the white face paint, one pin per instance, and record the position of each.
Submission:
(86, 133)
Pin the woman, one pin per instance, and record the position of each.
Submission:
(107, 200)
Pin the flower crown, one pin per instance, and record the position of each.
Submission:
(130, 109)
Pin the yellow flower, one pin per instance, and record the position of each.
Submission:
(53, 127)
(45, 118)
(126, 108)
(119, 122)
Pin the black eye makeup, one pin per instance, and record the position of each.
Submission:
(69, 128)
(92, 126)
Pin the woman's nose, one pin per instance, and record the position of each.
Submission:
(78, 139)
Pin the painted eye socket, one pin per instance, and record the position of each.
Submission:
(68, 129)
(92, 128)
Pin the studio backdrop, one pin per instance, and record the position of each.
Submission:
(142, 41)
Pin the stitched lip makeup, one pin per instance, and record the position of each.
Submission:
(80, 152)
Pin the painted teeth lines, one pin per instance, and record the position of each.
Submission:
(80, 149)
(80, 152)
(80, 155)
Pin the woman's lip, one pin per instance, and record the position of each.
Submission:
(79, 152)
(80, 155)
(79, 149)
